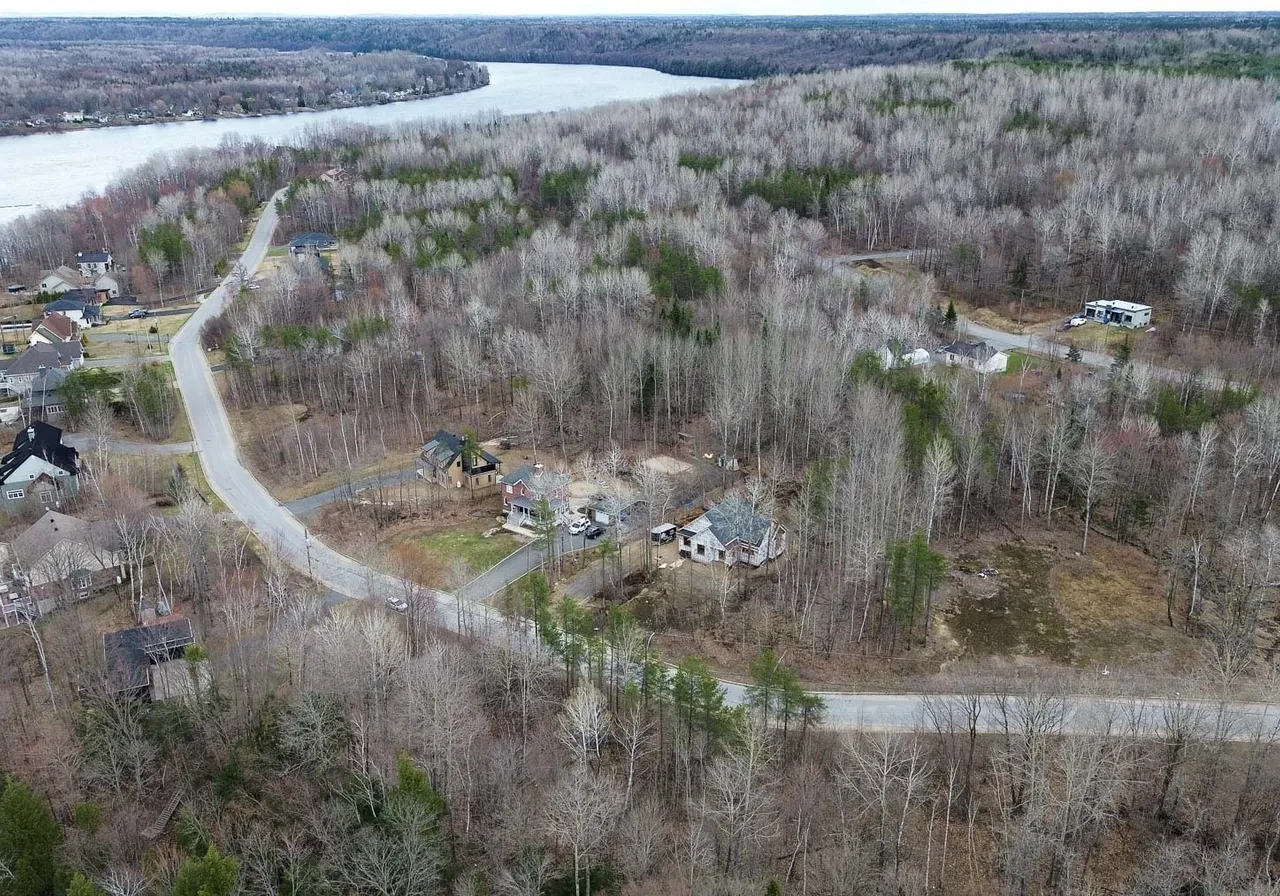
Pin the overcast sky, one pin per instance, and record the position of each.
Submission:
(595, 7)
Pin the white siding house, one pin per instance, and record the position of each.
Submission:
(732, 532)
(976, 356)
(1119, 314)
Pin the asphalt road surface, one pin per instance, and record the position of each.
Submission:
(283, 533)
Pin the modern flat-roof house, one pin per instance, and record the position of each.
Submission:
(448, 461)
(733, 532)
(39, 467)
(1118, 314)
(312, 244)
(976, 356)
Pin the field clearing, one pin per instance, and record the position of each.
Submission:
(166, 324)
(438, 553)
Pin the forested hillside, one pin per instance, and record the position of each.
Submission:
(730, 47)
(54, 85)
(684, 277)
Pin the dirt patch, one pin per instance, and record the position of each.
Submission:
(665, 463)
(1046, 602)
(1011, 610)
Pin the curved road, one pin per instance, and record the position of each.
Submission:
(283, 533)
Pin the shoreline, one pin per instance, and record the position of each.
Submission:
(74, 127)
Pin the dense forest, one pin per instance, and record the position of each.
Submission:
(730, 47)
(51, 85)
(604, 285)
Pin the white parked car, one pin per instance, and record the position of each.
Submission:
(1078, 321)
(399, 604)
(578, 525)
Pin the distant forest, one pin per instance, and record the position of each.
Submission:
(1221, 44)
(59, 84)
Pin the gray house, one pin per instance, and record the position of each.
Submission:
(39, 466)
(733, 532)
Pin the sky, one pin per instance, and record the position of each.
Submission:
(606, 7)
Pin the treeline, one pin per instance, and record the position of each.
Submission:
(68, 84)
(731, 47)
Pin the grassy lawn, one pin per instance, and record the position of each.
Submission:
(166, 325)
(144, 349)
(429, 556)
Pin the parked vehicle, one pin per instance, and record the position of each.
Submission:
(594, 531)
(138, 314)
(578, 525)
(662, 534)
(399, 604)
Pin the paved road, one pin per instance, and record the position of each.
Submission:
(283, 533)
(83, 441)
(305, 507)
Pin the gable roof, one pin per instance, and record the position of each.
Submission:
(67, 275)
(313, 241)
(978, 351)
(43, 390)
(129, 652)
(43, 441)
(59, 326)
(538, 480)
(62, 355)
(100, 257)
(735, 519)
(47, 532)
(444, 448)
(84, 301)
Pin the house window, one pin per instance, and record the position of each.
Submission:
(508, 489)
(489, 478)
(14, 494)
(702, 550)
(46, 496)
(53, 409)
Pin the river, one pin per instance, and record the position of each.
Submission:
(52, 170)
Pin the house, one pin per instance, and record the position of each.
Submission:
(91, 264)
(61, 558)
(55, 329)
(610, 510)
(106, 286)
(733, 532)
(446, 460)
(311, 244)
(62, 279)
(336, 176)
(42, 398)
(524, 490)
(40, 466)
(80, 305)
(976, 356)
(902, 357)
(1119, 314)
(147, 661)
(19, 375)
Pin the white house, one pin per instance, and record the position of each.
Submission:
(92, 264)
(39, 466)
(60, 550)
(62, 279)
(976, 356)
(54, 329)
(106, 283)
(1119, 314)
(733, 532)
(916, 357)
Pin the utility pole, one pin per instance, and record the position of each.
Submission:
(306, 534)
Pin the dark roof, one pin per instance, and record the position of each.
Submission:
(444, 448)
(978, 351)
(313, 241)
(44, 389)
(43, 441)
(62, 355)
(91, 257)
(59, 325)
(129, 652)
(735, 518)
(83, 300)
